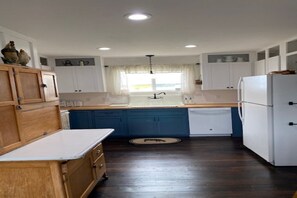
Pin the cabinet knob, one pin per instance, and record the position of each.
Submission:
(231, 87)
(75, 90)
(228, 87)
(292, 103)
(79, 90)
(18, 107)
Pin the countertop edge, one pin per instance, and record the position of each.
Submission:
(108, 107)
(8, 157)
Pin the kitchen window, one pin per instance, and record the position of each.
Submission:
(123, 80)
(154, 82)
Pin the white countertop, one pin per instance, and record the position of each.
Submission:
(63, 145)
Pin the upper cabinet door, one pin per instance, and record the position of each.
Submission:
(237, 71)
(260, 68)
(66, 79)
(87, 79)
(29, 85)
(49, 84)
(8, 94)
(220, 75)
(273, 64)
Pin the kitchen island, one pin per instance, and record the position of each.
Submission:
(68, 163)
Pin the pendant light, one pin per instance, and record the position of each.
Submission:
(150, 58)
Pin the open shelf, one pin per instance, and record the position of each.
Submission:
(75, 62)
(292, 46)
(273, 51)
(261, 55)
(218, 58)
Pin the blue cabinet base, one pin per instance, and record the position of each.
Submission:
(171, 122)
(236, 123)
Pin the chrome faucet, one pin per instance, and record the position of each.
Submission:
(155, 95)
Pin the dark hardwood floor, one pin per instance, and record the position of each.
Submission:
(196, 167)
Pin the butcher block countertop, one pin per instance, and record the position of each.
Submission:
(63, 145)
(106, 107)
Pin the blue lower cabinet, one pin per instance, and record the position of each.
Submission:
(142, 126)
(115, 119)
(236, 123)
(80, 119)
(158, 123)
(174, 126)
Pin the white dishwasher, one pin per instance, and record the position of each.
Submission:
(210, 121)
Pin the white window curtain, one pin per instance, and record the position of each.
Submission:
(117, 76)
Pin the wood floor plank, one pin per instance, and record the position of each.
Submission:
(196, 167)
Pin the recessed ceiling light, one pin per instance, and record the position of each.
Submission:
(190, 46)
(138, 16)
(103, 48)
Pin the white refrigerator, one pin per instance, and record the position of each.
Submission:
(269, 117)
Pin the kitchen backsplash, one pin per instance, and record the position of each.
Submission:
(199, 97)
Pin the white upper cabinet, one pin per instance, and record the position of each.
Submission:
(237, 71)
(291, 54)
(273, 61)
(260, 68)
(79, 75)
(260, 64)
(65, 79)
(77, 79)
(222, 72)
(273, 64)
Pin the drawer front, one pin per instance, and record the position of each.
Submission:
(97, 152)
(156, 112)
(100, 167)
(105, 113)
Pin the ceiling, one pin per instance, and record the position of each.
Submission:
(78, 27)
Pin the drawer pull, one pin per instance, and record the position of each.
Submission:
(95, 166)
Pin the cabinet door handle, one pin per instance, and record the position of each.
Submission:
(292, 123)
(44, 85)
(292, 103)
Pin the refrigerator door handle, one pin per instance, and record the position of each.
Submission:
(239, 90)
(239, 101)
